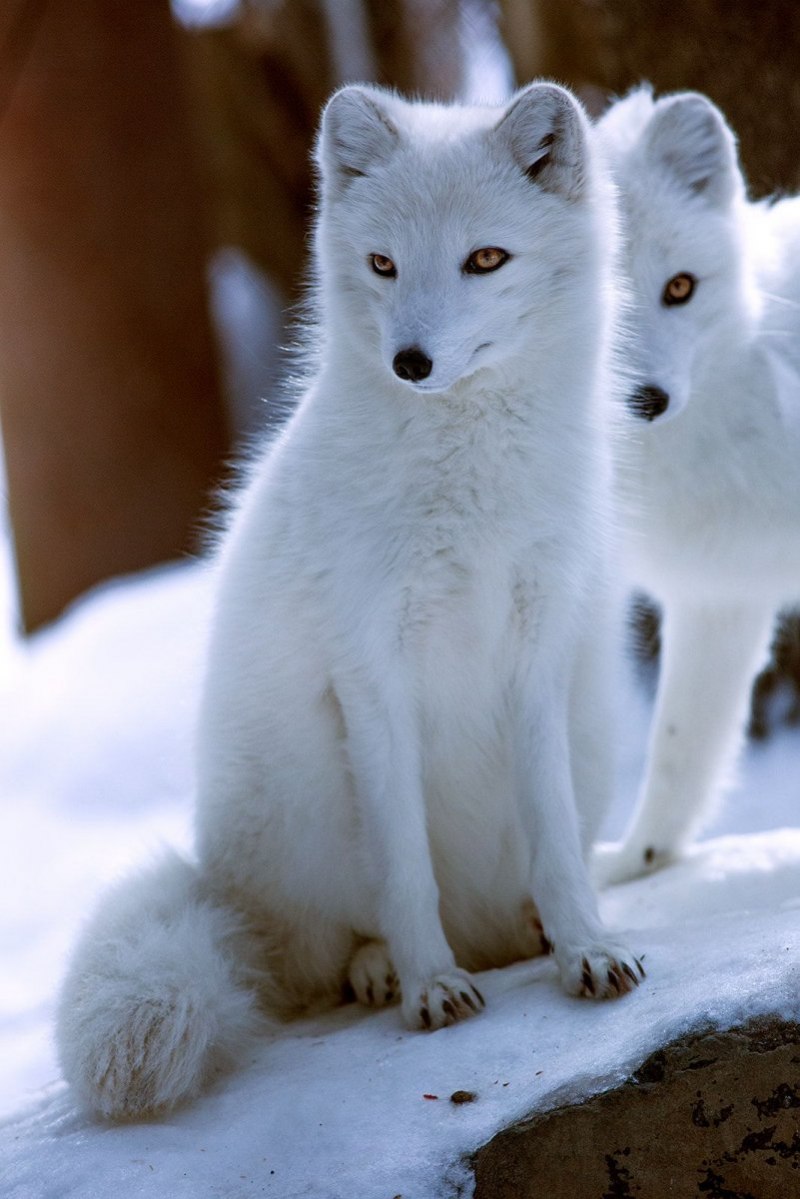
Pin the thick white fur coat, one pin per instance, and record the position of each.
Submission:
(405, 740)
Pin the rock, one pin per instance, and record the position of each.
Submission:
(716, 1114)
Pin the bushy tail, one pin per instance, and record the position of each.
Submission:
(154, 1001)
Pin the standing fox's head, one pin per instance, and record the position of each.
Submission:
(681, 197)
(450, 236)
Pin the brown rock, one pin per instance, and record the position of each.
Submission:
(716, 1114)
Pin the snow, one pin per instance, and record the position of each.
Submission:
(95, 771)
(199, 13)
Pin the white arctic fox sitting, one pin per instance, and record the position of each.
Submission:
(409, 669)
(712, 487)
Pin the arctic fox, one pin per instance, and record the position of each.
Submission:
(712, 486)
(411, 657)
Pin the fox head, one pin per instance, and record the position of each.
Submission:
(447, 234)
(681, 199)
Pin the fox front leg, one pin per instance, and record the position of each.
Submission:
(592, 963)
(384, 758)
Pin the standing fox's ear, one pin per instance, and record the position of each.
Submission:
(355, 133)
(688, 139)
(545, 131)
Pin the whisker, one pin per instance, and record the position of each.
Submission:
(776, 299)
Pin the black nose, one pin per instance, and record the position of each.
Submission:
(649, 402)
(412, 364)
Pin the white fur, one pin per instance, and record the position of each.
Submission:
(154, 1002)
(409, 670)
(712, 488)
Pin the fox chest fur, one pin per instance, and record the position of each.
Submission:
(428, 543)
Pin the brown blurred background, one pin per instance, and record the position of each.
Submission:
(140, 145)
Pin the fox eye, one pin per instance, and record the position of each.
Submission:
(489, 258)
(679, 290)
(382, 265)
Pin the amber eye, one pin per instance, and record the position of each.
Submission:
(679, 289)
(489, 258)
(382, 265)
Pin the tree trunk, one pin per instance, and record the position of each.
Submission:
(111, 414)
(744, 56)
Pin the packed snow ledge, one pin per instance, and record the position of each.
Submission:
(95, 772)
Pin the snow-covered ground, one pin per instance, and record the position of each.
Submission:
(95, 774)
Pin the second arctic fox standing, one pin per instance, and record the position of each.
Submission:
(712, 474)
(409, 678)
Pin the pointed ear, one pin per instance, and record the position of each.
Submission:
(355, 133)
(544, 128)
(688, 138)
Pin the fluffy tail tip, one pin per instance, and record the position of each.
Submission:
(153, 1004)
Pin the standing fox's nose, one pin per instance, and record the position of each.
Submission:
(649, 402)
(412, 364)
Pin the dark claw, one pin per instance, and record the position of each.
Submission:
(468, 1000)
(370, 994)
(480, 997)
(448, 1007)
(640, 967)
(426, 1017)
(588, 981)
(389, 997)
(627, 970)
(614, 980)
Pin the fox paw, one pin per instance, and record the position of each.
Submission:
(443, 999)
(599, 971)
(372, 976)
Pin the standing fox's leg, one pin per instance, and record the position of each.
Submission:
(709, 659)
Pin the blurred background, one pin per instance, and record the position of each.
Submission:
(155, 194)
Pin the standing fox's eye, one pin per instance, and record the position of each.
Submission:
(489, 258)
(679, 289)
(382, 265)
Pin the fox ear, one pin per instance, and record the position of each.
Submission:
(688, 137)
(354, 134)
(545, 131)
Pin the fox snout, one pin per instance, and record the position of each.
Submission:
(649, 401)
(412, 364)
